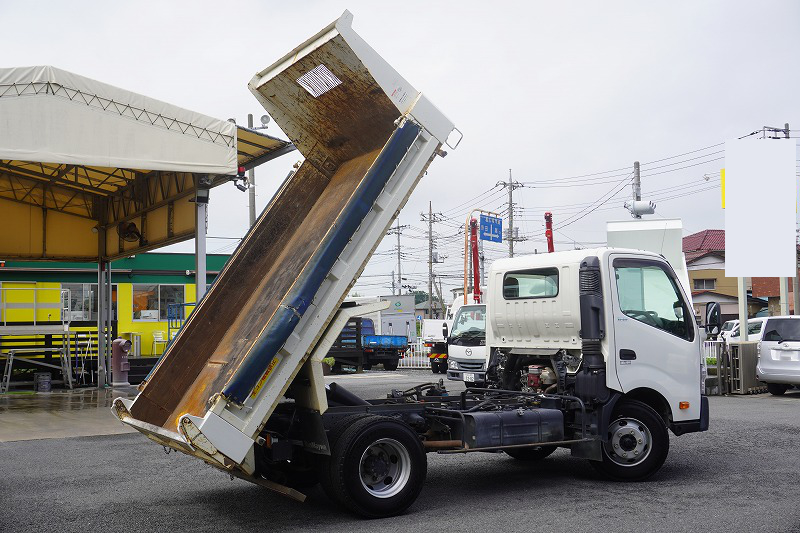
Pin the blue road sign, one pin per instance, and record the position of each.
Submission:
(491, 229)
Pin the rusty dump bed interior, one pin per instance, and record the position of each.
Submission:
(340, 132)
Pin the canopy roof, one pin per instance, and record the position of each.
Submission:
(94, 158)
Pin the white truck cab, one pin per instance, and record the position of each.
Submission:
(610, 326)
(466, 345)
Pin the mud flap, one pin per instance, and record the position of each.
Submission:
(315, 440)
(590, 449)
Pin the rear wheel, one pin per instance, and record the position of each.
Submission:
(637, 445)
(536, 453)
(390, 365)
(777, 388)
(376, 468)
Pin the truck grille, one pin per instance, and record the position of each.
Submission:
(470, 366)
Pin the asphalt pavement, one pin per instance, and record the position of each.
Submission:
(739, 476)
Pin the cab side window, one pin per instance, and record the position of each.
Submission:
(649, 293)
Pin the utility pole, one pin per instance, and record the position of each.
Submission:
(511, 185)
(393, 293)
(399, 277)
(430, 219)
(397, 229)
(438, 288)
(251, 181)
(637, 186)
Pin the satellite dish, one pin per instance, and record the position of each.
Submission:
(264, 120)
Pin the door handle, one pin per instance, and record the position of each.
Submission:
(627, 355)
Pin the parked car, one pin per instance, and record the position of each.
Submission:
(779, 354)
(727, 328)
(755, 327)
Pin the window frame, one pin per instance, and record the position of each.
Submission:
(530, 271)
(630, 262)
(705, 283)
(182, 287)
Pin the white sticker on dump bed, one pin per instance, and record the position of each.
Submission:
(267, 372)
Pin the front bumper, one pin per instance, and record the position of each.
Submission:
(783, 375)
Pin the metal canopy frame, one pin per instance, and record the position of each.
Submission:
(102, 198)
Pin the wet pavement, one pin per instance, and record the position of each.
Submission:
(68, 413)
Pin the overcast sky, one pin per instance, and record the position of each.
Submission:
(551, 90)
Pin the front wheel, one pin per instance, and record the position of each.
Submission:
(638, 443)
(376, 468)
(777, 389)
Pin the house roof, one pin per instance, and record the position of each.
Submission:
(704, 241)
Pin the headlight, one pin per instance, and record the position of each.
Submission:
(452, 364)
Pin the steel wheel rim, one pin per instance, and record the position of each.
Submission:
(629, 442)
(384, 468)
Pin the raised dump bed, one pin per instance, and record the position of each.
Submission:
(367, 137)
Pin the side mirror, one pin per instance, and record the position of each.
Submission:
(445, 332)
(713, 316)
(678, 309)
(714, 330)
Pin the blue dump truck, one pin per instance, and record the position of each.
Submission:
(359, 346)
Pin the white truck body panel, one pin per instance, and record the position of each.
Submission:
(665, 363)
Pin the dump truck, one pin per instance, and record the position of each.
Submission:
(241, 386)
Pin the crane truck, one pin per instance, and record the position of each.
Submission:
(241, 385)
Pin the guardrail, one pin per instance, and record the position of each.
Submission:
(416, 356)
(25, 304)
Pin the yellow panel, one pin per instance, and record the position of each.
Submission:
(71, 236)
(21, 235)
(722, 181)
(157, 224)
(184, 216)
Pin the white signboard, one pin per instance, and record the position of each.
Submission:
(760, 208)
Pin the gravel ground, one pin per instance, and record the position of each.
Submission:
(739, 476)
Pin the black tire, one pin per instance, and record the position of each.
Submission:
(324, 462)
(531, 454)
(396, 472)
(777, 389)
(366, 367)
(390, 365)
(434, 367)
(638, 459)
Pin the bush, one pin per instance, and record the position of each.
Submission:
(329, 361)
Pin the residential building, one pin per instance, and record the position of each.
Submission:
(705, 262)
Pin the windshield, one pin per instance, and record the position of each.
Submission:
(727, 326)
(782, 329)
(470, 321)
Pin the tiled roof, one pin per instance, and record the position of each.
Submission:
(704, 241)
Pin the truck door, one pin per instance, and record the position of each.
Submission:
(656, 344)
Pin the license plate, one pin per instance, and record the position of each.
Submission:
(469, 377)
